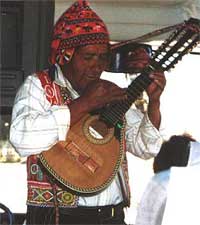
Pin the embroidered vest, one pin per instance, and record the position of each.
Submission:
(40, 190)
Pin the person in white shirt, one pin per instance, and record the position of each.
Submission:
(178, 151)
(51, 102)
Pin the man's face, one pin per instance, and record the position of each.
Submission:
(87, 64)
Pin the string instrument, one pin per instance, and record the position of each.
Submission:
(88, 160)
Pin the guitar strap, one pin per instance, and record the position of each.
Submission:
(123, 172)
(124, 182)
(124, 193)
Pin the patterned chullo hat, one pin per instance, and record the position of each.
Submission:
(78, 26)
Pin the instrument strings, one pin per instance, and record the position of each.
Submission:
(115, 112)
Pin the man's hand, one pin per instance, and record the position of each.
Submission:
(95, 96)
(102, 92)
(156, 88)
(136, 62)
(154, 92)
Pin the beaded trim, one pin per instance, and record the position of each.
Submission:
(66, 96)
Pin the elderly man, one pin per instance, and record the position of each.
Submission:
(51, 102)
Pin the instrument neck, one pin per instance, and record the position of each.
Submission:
(114, 113)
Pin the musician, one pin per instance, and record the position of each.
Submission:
(50, 102)
(178, 151)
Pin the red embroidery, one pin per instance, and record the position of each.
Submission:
(51, 89)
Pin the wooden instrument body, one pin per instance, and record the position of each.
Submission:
(83, 162)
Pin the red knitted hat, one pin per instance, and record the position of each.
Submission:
(78, 26)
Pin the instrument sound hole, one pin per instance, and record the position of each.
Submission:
(98, 129)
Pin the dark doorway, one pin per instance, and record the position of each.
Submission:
(26, 28)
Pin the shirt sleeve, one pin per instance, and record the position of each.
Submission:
(152, 205)
(36, 125)
(142, 138)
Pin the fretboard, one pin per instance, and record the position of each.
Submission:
(115, 112)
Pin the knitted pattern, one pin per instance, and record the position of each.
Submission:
(79, 25)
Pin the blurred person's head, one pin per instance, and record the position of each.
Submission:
(174, 152)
